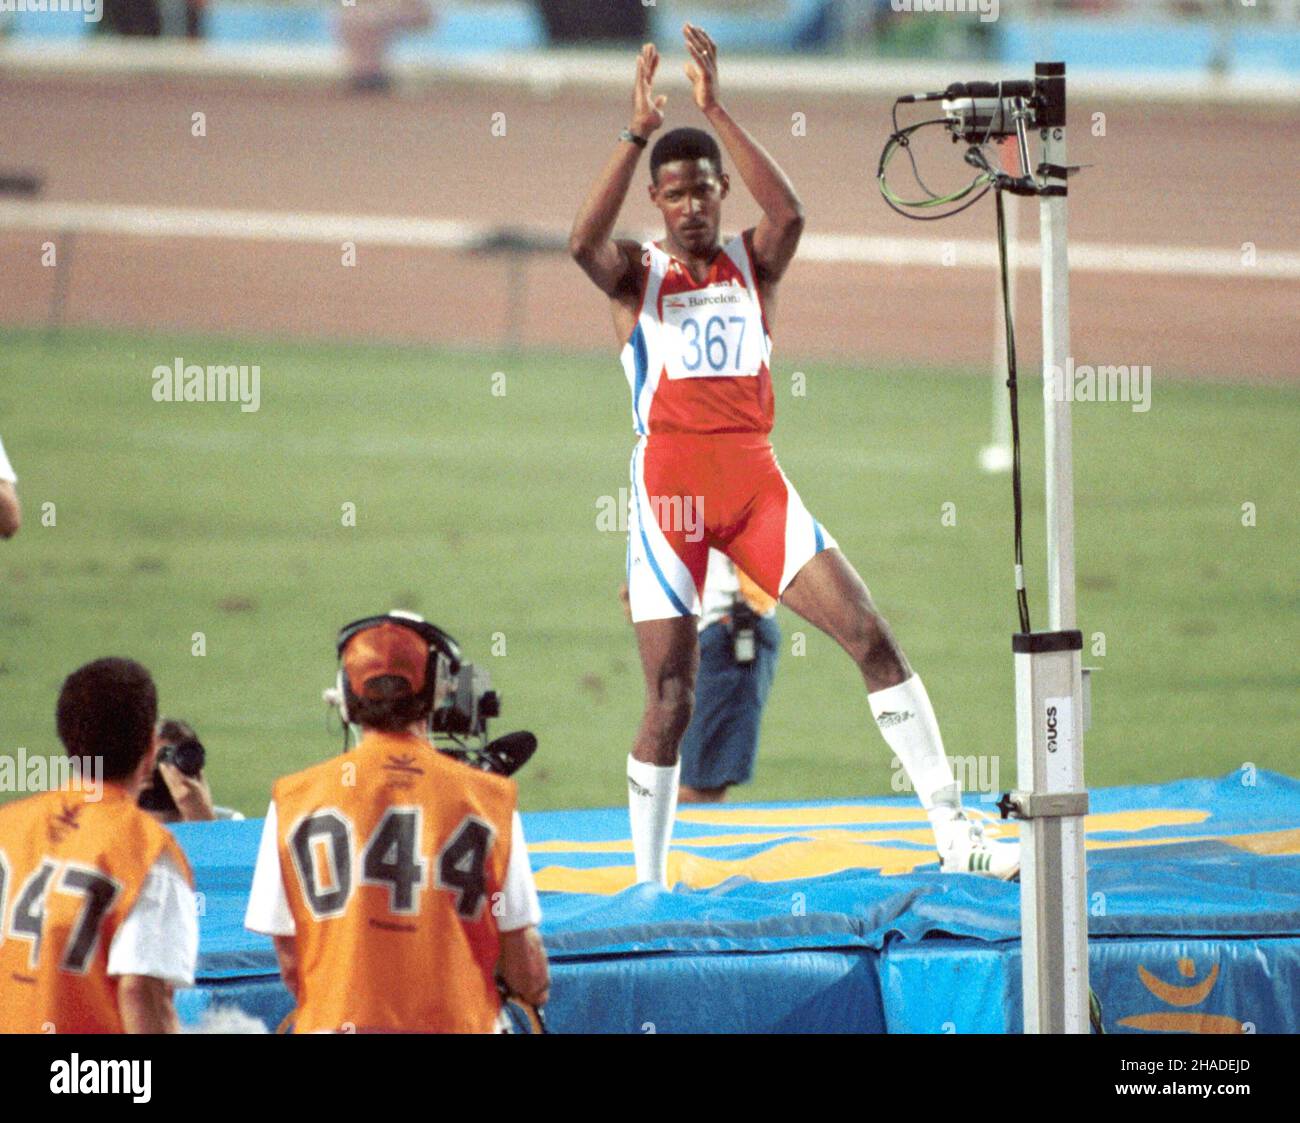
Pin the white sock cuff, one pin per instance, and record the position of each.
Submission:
(910, 694)
(653, 776)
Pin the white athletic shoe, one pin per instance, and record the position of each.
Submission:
(964, 849)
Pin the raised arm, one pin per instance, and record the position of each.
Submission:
(608, 262)
(777, 235)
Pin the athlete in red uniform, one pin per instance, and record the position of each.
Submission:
(693, 313)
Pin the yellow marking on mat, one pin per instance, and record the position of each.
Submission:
(1190, 995)
(1177, 995)
(604, 880)
(1268, 842)
(921, 835)
(560, 846)
(1184, 1023)
(818, 851)
(809, 828)
(1131, 843)
(1144, 820)
(785, 862)
(791, 860)
(802, 816)
(848, 814)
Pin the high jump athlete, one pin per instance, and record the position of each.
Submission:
(693, 312)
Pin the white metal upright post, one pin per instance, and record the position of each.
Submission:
(1050, 801)
(1059, 446)
(1049, 687)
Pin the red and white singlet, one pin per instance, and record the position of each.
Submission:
(703, 473)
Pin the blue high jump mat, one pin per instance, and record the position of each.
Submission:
(833, 917)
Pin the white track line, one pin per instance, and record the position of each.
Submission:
(258, 226)
(52, 219)
(1085, 257)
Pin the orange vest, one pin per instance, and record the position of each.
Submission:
(70, 873)
(392, 857)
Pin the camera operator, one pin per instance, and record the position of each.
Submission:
(739, 645)
(178, 791)
(395, 879)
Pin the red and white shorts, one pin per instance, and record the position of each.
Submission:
(693, 491)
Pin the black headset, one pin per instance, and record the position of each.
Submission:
(444, 652)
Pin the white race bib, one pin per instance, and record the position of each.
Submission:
(715, 332)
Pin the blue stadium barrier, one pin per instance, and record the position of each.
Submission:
(1147, 45)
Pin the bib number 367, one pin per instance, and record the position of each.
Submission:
(718, 345)
(713, 333)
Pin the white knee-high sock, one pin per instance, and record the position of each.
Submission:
(652, 806)
(906, 720)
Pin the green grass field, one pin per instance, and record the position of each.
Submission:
(479, 509)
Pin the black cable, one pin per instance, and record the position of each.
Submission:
(902, 139)
(1022, 601)
(916, 172)
(946, 214)
(996, 181)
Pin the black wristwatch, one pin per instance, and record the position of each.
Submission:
(628, 134)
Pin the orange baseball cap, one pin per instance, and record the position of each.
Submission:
(385, 649)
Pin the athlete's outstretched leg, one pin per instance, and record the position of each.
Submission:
(828, 593)
(670, 654)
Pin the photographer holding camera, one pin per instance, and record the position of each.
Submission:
(395, 879)
(178, 791)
